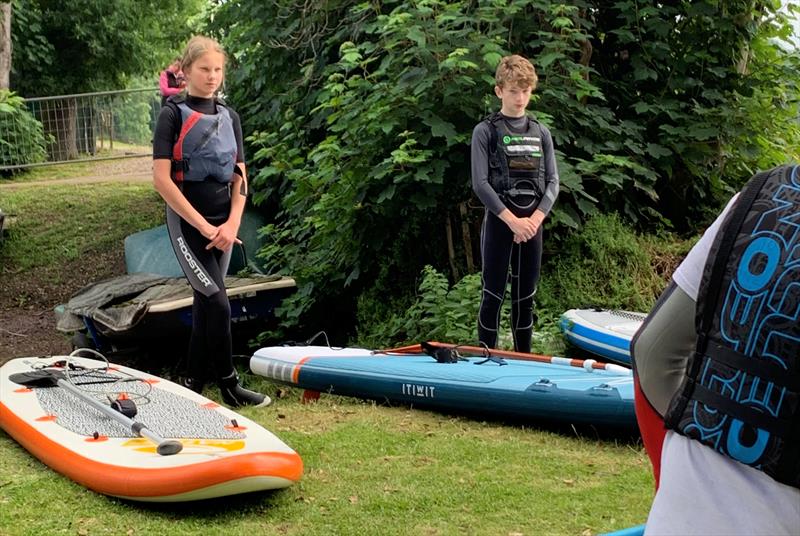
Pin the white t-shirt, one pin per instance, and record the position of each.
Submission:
(703, 492)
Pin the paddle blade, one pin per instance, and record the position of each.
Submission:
(37, 378)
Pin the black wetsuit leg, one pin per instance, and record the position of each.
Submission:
(210, 346)
(498, 253)
(526, 262)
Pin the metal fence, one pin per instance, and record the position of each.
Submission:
(72, 128)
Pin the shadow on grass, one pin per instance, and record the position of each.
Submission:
(625, 435)
(231, 505)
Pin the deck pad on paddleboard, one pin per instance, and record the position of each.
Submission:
(167, 414)
(521, 389)
(223, 452)
(604, 332)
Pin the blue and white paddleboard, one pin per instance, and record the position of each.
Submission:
(581, 392)
(603, 332)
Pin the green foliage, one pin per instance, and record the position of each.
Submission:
(22, 140)
(712, 94)
(134, 113)
(607, 264)
(370, 146)
(75, 46)
(439, 313)
(361, 114)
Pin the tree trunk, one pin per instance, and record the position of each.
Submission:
(451, 252)
(5, 43)
(59, 120)
(467, 237)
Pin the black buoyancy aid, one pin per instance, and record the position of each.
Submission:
(740, 395)
(516, 166)
(206, 146)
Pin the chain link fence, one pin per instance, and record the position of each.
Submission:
(72, 128)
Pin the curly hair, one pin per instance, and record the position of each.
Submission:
(516, 70)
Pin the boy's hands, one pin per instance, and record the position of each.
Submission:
(523, 228)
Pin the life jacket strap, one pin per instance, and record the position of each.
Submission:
(759, 419)
(179, 165)
(765, 370)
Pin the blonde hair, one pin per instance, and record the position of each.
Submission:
(196, 47)
(516, 70)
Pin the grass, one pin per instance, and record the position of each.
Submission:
(61, 223)
(61, 171)
(369, 470)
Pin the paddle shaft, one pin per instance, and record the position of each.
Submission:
(164, 447)
(480, 351)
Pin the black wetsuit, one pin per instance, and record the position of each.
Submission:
(498, 250)
(210, 351)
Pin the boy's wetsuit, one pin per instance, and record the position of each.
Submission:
(498, 250)
(210, 348)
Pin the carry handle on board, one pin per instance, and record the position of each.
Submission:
(45, 377)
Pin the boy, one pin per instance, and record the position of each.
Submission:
(514, 174)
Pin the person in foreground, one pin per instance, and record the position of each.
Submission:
(199, 170)
(514, 175)
(717, 372)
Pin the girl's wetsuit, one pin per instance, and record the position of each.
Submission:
(210, 351)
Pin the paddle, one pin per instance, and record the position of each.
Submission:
(587, 364)
(51, 377)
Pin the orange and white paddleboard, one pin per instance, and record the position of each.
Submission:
(223, 452)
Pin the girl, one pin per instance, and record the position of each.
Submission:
(199, 170)
(171, 81)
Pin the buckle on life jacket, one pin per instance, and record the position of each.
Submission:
(180, 165)
(515, 192)
(512, 197)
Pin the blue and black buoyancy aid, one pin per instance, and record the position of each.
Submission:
(740, 393)
(206, 146)
(516, 166)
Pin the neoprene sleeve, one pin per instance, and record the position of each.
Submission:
(660, 351)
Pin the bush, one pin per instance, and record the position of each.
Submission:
(132, 117)
(438, 312)
(22, 140)
(361, 128)
(606, 264)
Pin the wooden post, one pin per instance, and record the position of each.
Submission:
(451, 252)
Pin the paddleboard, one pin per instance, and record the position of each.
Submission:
(638, 530)
(223, 453)
(603, 332)
(559, 389)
